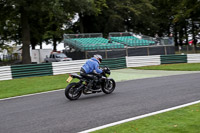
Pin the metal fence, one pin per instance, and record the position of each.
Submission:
(120, 34)
(83, 35)
(10, 57)
(187, 49)
(129, 51)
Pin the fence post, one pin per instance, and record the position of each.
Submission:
(85, 54)
(126, 51)
(165, 50)
(148, 51)
(193, 48)
(106, 54)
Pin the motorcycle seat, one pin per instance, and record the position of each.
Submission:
(88, 76)
(75, 75)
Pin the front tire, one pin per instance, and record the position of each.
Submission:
(109, 86)
(70, 91)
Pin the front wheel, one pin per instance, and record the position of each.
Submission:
(70, 91)
(109, 86)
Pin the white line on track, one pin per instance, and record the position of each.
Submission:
(138, 117)
(29, 95)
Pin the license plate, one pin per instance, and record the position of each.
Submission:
(69, 79)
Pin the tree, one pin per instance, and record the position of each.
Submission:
(22, 10)
(9, 24)
(119, 15)
(186, 13)
(59, 20)
(30, 17)
(85, 8)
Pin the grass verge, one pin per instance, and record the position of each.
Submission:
(184, 120)
(23, 86)
(173, 67)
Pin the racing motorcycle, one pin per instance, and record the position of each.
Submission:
(104, 84)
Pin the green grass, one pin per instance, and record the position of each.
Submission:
(23, 86)
(184, 120)
(173, 67)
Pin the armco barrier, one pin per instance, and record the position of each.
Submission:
(5, 73)
(75, 66)
(137, 61)
(193, 58)
(173, 59)
(31, 70)
(67, 67)
(114, 63)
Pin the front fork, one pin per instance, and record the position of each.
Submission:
(105, 82)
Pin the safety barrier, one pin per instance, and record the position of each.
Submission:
(172, 59)
(5, 73)
(114, 63)
(67, 67)
(193, 58)
(74, 66)
(138, 61)
(31, 70)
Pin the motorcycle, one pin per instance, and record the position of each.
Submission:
(104, 84)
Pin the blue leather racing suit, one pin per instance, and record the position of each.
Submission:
(92, 65)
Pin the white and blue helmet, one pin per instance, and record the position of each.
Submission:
(98, 57)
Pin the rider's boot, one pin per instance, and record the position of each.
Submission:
(89, 87)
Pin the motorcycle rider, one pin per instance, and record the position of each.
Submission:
(91, 69)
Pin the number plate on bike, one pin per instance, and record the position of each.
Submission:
(69, 79)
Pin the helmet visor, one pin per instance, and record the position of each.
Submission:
(100, 60)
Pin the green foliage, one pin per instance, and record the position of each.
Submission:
(50, 19)
(187, 9)
(120, 16)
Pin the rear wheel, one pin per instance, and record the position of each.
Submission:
(70, 91)
(109, 86)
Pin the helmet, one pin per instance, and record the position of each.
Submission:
(98, 57)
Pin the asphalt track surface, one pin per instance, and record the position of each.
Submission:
(53, 113)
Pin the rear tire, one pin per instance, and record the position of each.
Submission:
(70, 89)
(110, 87)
